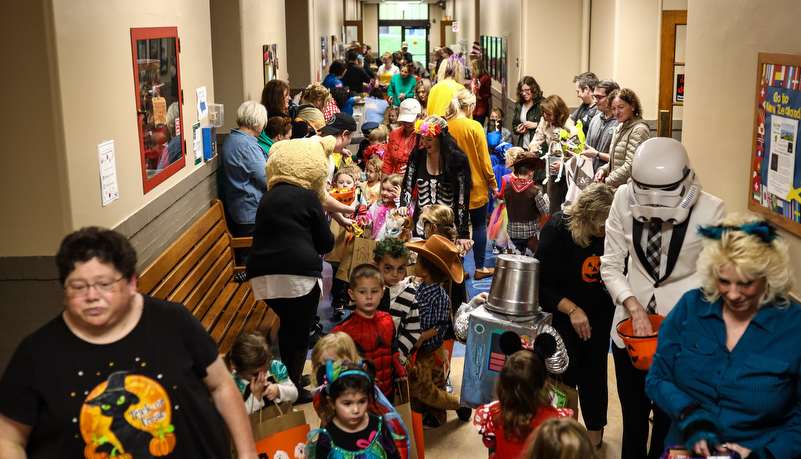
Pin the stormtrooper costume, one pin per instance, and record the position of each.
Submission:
(662, 190)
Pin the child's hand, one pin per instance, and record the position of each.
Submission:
(271, 391)
(257, 385)
(363, 221)
(402, 378)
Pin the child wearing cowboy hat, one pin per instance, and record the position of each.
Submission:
(437, 261)
(525, 203)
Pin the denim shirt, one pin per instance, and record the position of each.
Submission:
(754, 391)
(243, 173)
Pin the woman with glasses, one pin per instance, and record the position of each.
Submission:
(527, 112)
(631, 131)
(117, 372)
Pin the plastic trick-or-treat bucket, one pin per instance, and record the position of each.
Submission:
(641, 349)
(344, 195)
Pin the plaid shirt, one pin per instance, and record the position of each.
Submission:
(434, 306)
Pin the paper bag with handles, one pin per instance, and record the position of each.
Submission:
(340, 242)
(563, 396)
(279, 428)
(404, 408)
(359, 251)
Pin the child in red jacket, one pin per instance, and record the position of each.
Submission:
(373, 330)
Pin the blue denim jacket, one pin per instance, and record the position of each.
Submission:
(754, 390)
(243, 173)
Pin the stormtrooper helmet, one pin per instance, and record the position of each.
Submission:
(663, 184)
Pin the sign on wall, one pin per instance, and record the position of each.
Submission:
(775, 168)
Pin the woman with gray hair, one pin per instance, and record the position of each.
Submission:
(244, 180)
(570, 249)
(740, 330)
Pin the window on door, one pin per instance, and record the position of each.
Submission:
(404, 22)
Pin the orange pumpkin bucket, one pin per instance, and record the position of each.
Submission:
(641, 349)
(344, 195)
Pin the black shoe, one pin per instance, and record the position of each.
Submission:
(339, 311)
(305, 380)
(315, 334)
(463, 413)
(304, 396)
(430, 422)
(241, 277)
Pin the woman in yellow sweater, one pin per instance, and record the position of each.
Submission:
(470, 136)
(452, 71)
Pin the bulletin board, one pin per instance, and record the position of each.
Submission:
(775, 161)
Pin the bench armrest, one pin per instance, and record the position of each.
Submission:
(240, 242)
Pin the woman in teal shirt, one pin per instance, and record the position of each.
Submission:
(727, 368)
(401, 86)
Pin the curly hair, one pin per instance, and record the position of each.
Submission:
(561, 438)
(315, 92)
(752, 257)
(249, 354)
(556, 107)
(273, 96)
(464, 98)
(521, 391)
(441, 217)
(108, 246)
(377, 165)
(391, 246)
(628, 96)
(588, 212)
(529, 81)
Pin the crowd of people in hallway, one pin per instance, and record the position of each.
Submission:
(618, 220)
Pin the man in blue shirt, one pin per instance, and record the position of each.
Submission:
(244, 179)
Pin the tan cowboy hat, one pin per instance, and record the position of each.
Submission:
(529, 159)
(443, 253)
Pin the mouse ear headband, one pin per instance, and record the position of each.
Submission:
(544, 345)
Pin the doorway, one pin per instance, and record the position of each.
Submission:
(671, 73)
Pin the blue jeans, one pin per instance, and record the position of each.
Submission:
(478, 219)
(520, 244)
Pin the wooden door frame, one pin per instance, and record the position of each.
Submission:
(359, 33)
(442, 26)
(670, 19)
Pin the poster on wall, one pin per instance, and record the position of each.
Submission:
(270, 62)
(324, 55)
(334, 53)
(775, 171)
(108, 172)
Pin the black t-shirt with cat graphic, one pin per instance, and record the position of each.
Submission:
(139, 395)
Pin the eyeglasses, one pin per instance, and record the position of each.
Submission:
(525, 90)
(597, 97)
(76, 289)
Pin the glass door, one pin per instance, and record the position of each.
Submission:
(417, 39)
(389, 39)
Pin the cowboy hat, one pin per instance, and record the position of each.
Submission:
(528, 159)
(443, 253)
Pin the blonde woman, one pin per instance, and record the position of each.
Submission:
(421, 92)
(387, 70)
(438, 219)
(449, 80)
(571, 245)
(315, 98)
(727, 368)
(470, 137)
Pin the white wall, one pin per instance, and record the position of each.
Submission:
(260, 27)
(328, 19)
(98, 97)
(723, 39)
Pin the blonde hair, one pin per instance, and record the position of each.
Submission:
(379, 134)
(424, 83)
(394, 179)
(315, 92)
(442, 218)
(390, 110)
(452, 68)
(463, 99)
(339, 343)
(377, 166)
(436, 119)
(588, 213)
(752, 258)
(561, 438)
(511, 155)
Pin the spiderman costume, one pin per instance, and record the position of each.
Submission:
(374, 337)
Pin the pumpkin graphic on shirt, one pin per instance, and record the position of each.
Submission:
(127, 416)
(591, 268)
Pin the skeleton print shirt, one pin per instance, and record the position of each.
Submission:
(434, 189)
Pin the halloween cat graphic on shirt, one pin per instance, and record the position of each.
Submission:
(129, 417)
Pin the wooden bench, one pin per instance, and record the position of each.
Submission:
(198, 270)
